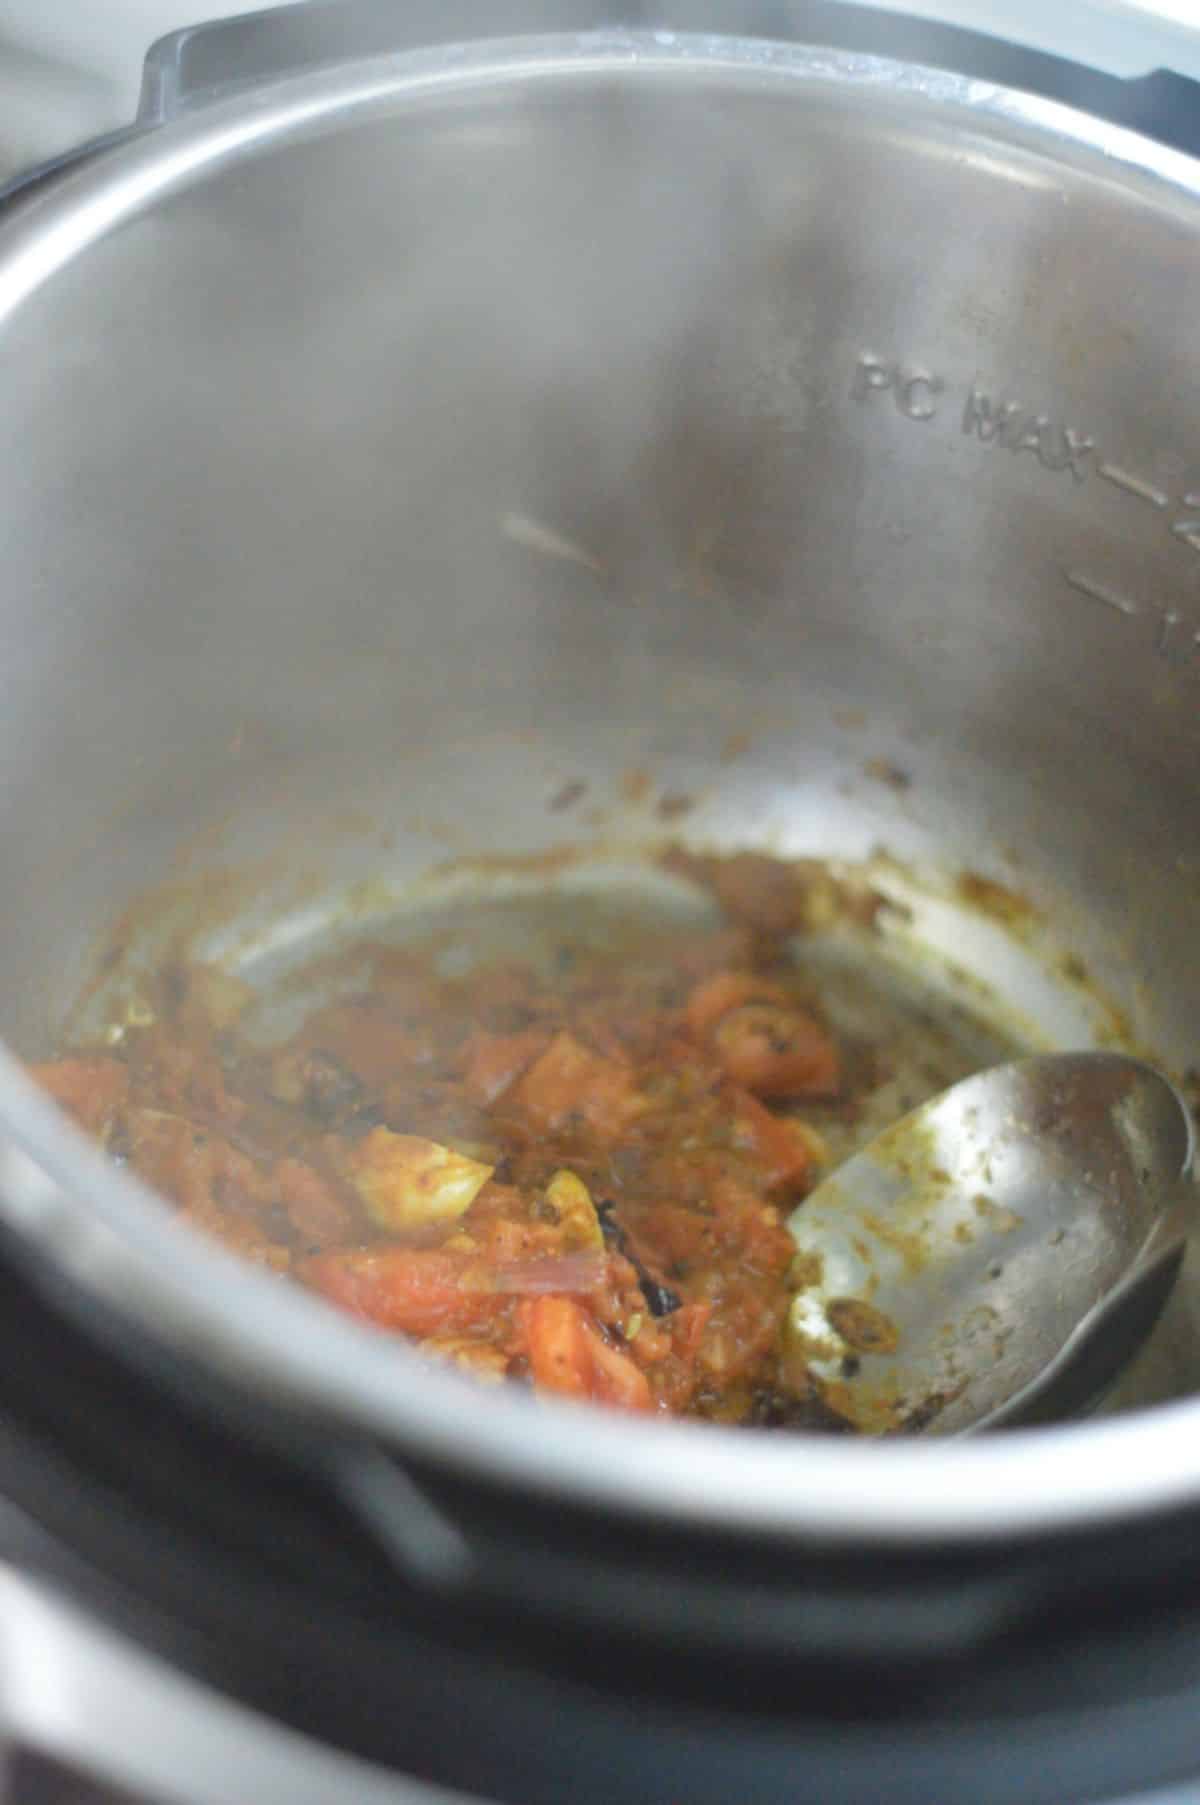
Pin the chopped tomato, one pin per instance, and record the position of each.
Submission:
(175, 1072)
(173, 1156)
(776, 1052)
(735, 1338)
(218, 1188)
(572, 1169)
(569, 1354)
(91, 1089)
(373, 1037)
(496, 1061)
(780, 1145)
(765, 1043)
(570, 1080)
(715, 996)
(421, 1291)
(676, 1376)
(314, 1206)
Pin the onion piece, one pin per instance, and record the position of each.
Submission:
(568, 1273)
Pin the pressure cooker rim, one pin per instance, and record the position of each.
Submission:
(109, 1237)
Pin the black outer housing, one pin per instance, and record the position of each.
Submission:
(579, 1656)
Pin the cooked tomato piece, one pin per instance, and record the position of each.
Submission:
(174, 1156)
(573, 1171)
(569, 1080)
(494, 1062)
(92, 1089)
(762, 1039)
(781, 1145)
(715, 996)
(739, 1333)
(422, 1291)
(176, 1071)
(374, 1037)
(569, 1354)
(316, 1209)
(777, 1052)
(218, 1188)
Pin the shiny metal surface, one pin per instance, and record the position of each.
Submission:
(1000, 1253)
(861, 401)
(75, 1691)
(83, 1695)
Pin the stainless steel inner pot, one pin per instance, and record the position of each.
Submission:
(390, 447)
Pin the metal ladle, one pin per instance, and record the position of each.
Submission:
(1000, 1254)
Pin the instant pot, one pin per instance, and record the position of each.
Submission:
(857, 351)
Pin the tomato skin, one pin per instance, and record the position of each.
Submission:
(776, 1052)
(494, 1062)
(424, 1291)
(715, 996)
(569, 1355)
(557, 1351)
(311, 1201)
(420, 1291)
(568, 1080)
(777, 1143)
(765, 1043)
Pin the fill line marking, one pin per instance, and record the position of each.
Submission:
(1133, 485)
(1100, 592)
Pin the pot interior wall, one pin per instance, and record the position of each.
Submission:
(818, 446)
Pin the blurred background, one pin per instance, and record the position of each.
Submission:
(71, 68)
